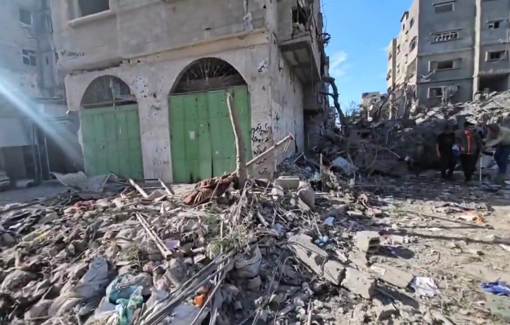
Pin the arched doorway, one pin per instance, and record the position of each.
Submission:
(111, 129)
(203, 142)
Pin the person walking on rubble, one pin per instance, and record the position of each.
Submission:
(499, 137)
(470, 145)
(444, 147)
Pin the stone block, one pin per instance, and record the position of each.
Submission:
(287, 182)
(317, 259)
(367, 241)
(392, 275)
(359, 283)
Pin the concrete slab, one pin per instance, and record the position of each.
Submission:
(392, 275)
(317, 259)
(359, 283)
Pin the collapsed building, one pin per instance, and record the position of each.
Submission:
(150, 81)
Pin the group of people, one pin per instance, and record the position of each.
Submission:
(466, 146)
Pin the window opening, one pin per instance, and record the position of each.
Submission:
(90, 7)
(444, 7)
(29, 57)
(25, 16)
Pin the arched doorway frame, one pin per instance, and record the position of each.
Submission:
(202, 138)
(110, 128)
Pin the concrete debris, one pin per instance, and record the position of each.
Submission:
(401, 146)
(385, 311)
(368, 241)
(317, 259)
(302, 249)
(392, 275)
(287, 182)
(359, 283)
(306, 195)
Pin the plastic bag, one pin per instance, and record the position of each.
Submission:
(126, 307)
(91, 285)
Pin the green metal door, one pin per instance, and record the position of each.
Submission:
(203, 142)
(111, 141)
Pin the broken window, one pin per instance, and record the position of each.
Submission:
(25, 16)
(443, 7)
(29, 57)
(398, 49)
(494, 24)
(435, 92)
(412, 45)
(301, 15)
(445, 36)
(390, 55)
(90, 7)
(411, 23)
(443, 65)
(388, 76)
(496, 55)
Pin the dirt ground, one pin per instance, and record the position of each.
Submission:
(20, 195)
(458, 253)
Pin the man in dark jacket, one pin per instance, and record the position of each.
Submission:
(471, 146)
(444, 144)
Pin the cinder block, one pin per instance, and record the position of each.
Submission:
(287, 182)
(357, 282)
(367, 241)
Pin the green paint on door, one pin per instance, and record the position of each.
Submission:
(111, 141)
(203, 142)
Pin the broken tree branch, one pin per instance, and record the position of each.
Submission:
(341, 115)
(262, 155)
(240, 147)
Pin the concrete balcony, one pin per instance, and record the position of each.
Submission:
(302, 53)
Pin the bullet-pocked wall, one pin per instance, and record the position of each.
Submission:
(151, 79)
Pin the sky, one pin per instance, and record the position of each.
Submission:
(361, 31)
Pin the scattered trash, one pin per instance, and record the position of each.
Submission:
(425, 287)
(497, 288)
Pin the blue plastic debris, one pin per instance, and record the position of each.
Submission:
(497, 288)
(322, 241)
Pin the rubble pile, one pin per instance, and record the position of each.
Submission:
(145, 257)
(400, 147)
(271, 253)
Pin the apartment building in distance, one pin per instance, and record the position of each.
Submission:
(451, 49)
(150, 80)
(33, 115)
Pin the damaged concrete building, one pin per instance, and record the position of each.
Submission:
(450, 50)
(32, 98)
(150, 79)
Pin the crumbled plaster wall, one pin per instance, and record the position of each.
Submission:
(287, 105)
(151, 79)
